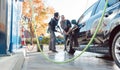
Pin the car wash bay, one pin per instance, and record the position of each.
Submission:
(33, 59)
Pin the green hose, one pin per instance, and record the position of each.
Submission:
(87, 46)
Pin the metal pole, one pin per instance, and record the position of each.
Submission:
(11, 26)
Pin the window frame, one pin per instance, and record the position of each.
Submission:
(99, 5)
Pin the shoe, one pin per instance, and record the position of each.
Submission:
(50, 49)
(55, 51)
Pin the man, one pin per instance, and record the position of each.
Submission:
(75, 33)
(65, 25)
(52, 24)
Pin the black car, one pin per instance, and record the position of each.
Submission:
(108, 36)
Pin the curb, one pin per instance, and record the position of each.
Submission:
(19, 62)
(13, 62)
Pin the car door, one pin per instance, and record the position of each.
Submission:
(102, 35)
(99, 38)
(84, 19)
(91, 19)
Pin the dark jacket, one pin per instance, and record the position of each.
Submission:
(52, 24)
(65, 25)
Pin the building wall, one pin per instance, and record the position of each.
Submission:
(17, 9)
(9, 25)
(3, 27)
(8, 22)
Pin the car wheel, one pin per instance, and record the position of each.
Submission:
(116, 49)
(69, 48)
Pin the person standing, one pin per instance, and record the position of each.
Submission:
(75, 33)
(66, 26)
(52, 25)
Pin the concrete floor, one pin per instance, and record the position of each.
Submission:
(88, 61)
(12, 61)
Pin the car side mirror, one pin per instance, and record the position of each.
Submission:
(73, 21)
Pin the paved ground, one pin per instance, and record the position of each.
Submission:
(13, 61)
(88, 61)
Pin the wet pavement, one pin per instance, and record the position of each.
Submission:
(88, 61)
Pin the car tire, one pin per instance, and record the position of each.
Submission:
(69, 48)
(116, 49)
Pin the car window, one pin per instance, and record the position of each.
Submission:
(100, 6)
(86, 15)
(111, 2)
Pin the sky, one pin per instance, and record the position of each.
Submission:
(72, 9)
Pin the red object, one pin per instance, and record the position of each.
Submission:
(22, 37)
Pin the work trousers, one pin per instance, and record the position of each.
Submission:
(52, 40)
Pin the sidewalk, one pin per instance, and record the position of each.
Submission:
(13, 62)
